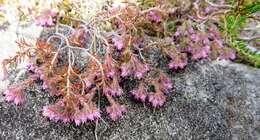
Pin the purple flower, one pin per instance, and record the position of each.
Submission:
(191, 30)
(134, 67)
(177, 65)
(41, 74)
(165, 83)
(195, 37)
(137, 43)
(77, 108)
(60, 111)
(116, 111)
(157, 99)
(140, 93)
(87, 116)
(48, 112)
(227, 54)
(125, 70)
(79, 37)
(114, 88)
(89, 112)
(109, 66)
(113, 92)
(118, 43)
(176, 34)
(53, 114)
(179, 61)
(208, 9)
(89, 80)
(87, 83)
(31, 67)
(46, 19)
(153, 16)
(141, 70)
(45, 86)
(15, 94)
(199, 52)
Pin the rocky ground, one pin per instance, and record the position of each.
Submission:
(212, 100)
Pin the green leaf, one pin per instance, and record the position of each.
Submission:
(251, 8)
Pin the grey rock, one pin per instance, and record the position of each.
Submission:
(212, 100)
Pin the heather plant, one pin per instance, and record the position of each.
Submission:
(95, 58)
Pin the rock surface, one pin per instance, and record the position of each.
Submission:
(216, 100)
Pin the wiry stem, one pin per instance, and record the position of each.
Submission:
(218, 6)
(249, 38)
(68, 73)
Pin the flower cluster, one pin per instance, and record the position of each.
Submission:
(113, 89)
(154, 16)
(96, 58)
(119, 43)
(140, 93)
(178, 59)
(162, 86)
(15, 94)
(202, 45)
(115, 110)
(47, 18)
(157, 99)
(79, 37)
(77, 108)
(134, 67)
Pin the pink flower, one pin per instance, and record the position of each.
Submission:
(88, 112)
(80, 37)
(114, 89)
(208, 9)
(41, 74)
(118, 43)
(48, 111)
(87, 116)
(126, 69)
(177, 33)
(153, 16)
(157, 99)
(141, 70)
(46, 19)
(109, 66)
(45, 86)
(89, 80)
(87, 83)
(191, 30)
(60, 111)
(15, 94)
(165, 83)
(116, 111)
(137, 43)
(140, 93)
(77, 108)
(227, 54)
(195, 37)
(134, 67)
(31, 67)
(179, 61)
(199, 52)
